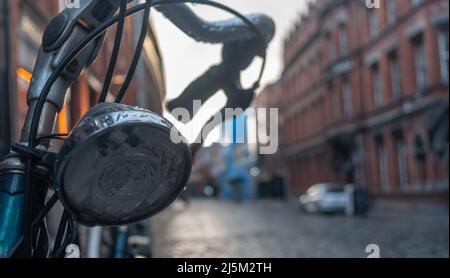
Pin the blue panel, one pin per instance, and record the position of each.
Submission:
(121, 244)
(11, 211)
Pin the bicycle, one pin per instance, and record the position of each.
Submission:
(118, 165)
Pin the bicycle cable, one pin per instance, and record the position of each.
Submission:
(56, 136)
(137, 55)
(48, 206)
(115, 51)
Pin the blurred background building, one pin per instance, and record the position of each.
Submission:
(364, 98)
(22, 23)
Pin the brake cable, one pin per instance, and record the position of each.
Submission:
(137, 55)
(32, 140)
(115, 52)
(48, 206)
(56, 136)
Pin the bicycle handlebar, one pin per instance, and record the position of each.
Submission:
(223, 31)
(241, 45)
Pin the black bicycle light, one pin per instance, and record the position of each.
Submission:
(120, 165)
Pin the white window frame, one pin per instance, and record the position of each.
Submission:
(376, 86)
(394, 65)
(392, 11)
(343, 40)
(373, 22)
(347, 98)
(421, 63)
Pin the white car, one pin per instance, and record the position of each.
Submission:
(325, 198)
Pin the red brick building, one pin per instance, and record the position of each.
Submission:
(364, 97)
(26, 22)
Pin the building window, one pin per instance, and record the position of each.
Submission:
(346, 98)
(343, 40)
(376, 86)
(357, 157)
(421, 71)
(383, 164)
(443, 53)
(331, 49)
(373, 22)
(392, 11)
(395, 75)
(334, 100)
(402, 162)
(335, 104)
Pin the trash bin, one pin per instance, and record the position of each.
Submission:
(361, 200)
(358, 200)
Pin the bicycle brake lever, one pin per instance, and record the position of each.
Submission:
(62, 33)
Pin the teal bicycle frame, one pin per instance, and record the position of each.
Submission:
(11, 212)
(12, 199)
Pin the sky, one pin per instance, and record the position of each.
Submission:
(185, 59)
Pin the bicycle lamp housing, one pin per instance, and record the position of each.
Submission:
(119, 166)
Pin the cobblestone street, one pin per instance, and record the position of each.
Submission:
(211, 228)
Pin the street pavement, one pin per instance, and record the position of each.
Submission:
(273, 229)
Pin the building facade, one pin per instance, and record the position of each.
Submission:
(364, 96)
(273, 171)
(23, 23)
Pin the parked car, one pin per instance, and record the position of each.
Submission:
(325, 198)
